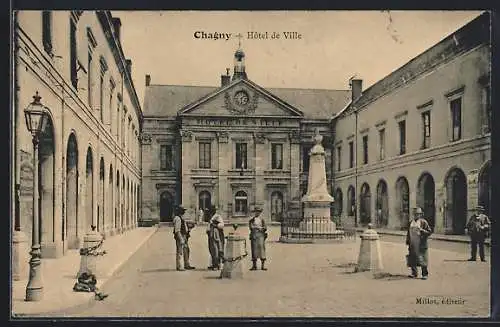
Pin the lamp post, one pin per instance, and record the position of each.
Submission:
(36, 119)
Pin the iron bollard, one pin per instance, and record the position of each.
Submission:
(236, 250)
(90, 251)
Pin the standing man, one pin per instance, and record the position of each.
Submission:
(215, 232)
(258, 235)
(201, 215)
(181, 236)
(478, 227)
(416, 239)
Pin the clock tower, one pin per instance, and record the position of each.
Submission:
(239, 65)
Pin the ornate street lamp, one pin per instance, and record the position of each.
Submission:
(36, 119)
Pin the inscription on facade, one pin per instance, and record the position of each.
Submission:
(239, 122)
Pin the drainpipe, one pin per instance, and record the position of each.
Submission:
(63, 172)
(356, 200)
(14, 127)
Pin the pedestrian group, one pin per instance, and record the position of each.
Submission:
(419, 230)
(216, 239)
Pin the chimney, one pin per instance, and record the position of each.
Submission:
(356, 88)
(129, 66)
(148, 80)
(117, 24)
(225, 79)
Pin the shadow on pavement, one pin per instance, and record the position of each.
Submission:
(158, 270)
(348, 272)
(212, 277)
(389, 276)
(345, 265)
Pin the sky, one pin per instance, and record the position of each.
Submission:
(333, 47)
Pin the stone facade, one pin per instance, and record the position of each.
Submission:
(432, 115)
(89, 153)
(446, 174)
(202, 137)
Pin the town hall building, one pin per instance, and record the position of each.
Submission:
(235, 146)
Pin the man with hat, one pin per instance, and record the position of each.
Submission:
(216, 240)
(181, 236)
(416, 239)
(258, 235)
(478, 227)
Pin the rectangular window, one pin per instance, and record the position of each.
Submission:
(305, 158)
(381, 138)
(339, 158)
(426, 123)
(166, 157)
(205, 151)
(456, 119)
(73, 59)
(351, 154)
(277, 156)
(89, 84)
(365, 149)
(402, 137)
(47, 31)
(241, 155)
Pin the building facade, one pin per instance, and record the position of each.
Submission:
(89, 153)
(420, 137)
(235, 146)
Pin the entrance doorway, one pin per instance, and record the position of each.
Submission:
(365, 203)
(382, 206)
(403, 202)
(72, 193)
(456, 202)
(166, 207)
(426, 198)
(46, 177)
(276, 206)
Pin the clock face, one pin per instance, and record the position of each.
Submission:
(241, 98)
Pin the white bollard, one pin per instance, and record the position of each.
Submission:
(88, 261)
(233, 256)
(370, 256)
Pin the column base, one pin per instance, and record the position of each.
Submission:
(20, 256)
(52, 250)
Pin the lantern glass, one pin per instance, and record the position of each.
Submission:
(36, 117)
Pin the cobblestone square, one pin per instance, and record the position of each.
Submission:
(303, 280)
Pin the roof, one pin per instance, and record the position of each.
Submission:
(167, 100)
(470, 36)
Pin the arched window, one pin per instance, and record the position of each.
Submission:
(204, 200)
(241, 203)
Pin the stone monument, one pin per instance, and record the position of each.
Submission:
(316, 221)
